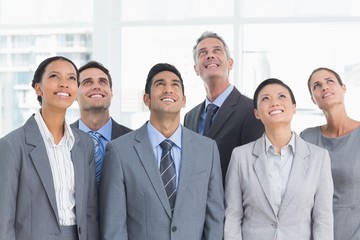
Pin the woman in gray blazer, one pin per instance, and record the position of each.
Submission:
(47, 173)
(340, 135)
(279, 186)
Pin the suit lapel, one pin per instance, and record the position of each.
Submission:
(147, 158)
(188, 155)
(260, 168)
(297, 174)
(194, 124)
(225, 112)
(79, 174)
(41, 161)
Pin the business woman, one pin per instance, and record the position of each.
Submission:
(340, 135)
(47, 173)
(279, 186)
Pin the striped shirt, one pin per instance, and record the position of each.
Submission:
(62, 170)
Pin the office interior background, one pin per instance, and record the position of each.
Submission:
(285, 39)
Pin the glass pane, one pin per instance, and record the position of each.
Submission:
(142, 10)
(174, 47)
(300, 8)
(292, 56)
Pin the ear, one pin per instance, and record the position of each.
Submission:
(38, 90)
(146, 99)
(195, 68)
(344, 87)
(184, 101)
(256, 114)
(294, 108)
(231, 63)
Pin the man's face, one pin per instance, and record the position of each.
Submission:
(211, 60)
(94, 90)
(166, 95)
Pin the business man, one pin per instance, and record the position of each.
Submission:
(94, 99)
(226, 115)
(162, 181)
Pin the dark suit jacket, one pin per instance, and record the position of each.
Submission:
(116, 131)
(28, 208)
(132, 200)
(234, 125)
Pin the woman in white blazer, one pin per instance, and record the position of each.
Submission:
(47, 174)
(279, 186)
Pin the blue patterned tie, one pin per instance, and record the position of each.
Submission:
(99, 154)
(168, 172)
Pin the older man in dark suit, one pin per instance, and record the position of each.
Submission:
(226, 115)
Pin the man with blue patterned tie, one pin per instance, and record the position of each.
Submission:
(94, 99)
(162, 181)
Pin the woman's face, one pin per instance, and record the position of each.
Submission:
(58, 85)
(326, 90)
(274, 106)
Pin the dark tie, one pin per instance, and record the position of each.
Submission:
(168, 172)
(99, 154)
(211, 110)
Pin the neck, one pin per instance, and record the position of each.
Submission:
(279, 136)
(215, 87)
(54, 121)
(94, 120)
(165, 125)
(338, 123)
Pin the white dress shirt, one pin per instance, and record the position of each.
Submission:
(62, 170)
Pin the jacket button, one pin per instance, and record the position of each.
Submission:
(173, 229)
(275, 225)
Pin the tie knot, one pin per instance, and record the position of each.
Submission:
(95, 134)
(211, 107)
(166, 145)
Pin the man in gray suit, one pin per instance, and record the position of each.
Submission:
(135, 200)
(94, 98)
(233, 122)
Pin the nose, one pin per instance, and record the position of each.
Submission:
(209, 56)
(168, 88)
(63, 82)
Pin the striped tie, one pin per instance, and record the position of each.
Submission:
(168, 172)
(99, 154)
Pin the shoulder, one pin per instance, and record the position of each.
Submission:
(195, 109)
(310, 133)
(120, 127)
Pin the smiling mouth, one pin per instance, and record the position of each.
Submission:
(212, 65)
(96, 96)
(327, 95)
(167, 100)
(278, 111)
(63, 94)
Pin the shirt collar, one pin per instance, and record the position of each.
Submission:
(105, 130)
(221, 98)
(291, 143)
(68, 137)
(156, 137)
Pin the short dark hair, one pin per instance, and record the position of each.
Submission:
(161, 67)
(268, 82)
(41, 69)
(98, 65)
(326, 69)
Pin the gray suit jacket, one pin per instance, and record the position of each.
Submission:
(117, 129)
(306, 209)
(133, 203)
(234, 125)
(28, 208)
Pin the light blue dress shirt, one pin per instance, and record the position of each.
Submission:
(156, 138)
(218, 102)
(105, 131)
